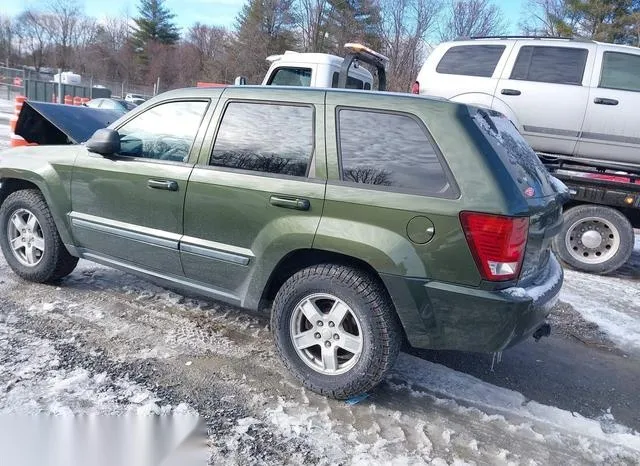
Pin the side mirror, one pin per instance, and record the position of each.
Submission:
(240, 81)
(104, 142)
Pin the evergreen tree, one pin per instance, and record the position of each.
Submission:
(355, 21)
(155, 24)
(264, 27)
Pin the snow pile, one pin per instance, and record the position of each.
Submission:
(442, 381)
(610, 302)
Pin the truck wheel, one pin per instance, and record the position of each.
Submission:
(594, 239)
(335, 329)
(29, 239)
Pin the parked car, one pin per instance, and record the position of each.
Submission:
(568, 97)
(112, 104)
(288, 199)
(136, 98)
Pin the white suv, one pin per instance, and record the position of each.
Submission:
(569, 97)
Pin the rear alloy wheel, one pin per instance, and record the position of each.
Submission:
(594, 239)
(336, 329)
(29, 239)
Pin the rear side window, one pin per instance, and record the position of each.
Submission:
(558, 65)
(352, 83)
(268, 138)
(522, 163)
(291, 77)
(620, 71)
(471, 60)
(390, 150)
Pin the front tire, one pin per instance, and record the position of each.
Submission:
(29, 239)
(335, 329)
(594, 239)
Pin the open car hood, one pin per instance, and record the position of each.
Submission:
(53, 124)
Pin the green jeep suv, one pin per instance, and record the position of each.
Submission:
(359, 219)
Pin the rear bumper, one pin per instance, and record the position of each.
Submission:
(438, 315)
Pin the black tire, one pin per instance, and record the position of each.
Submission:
(622, 237)
(369, 303)
(55, 262)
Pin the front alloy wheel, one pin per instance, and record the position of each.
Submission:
(26, 238)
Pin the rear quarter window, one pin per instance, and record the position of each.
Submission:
(391, 151)
(522, 163)
(471, 60)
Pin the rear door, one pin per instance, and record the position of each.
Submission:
(611, 129)
(257, 192)
(546, 87)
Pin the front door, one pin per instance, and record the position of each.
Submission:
(611, 129)
(258, 193)
(546, 93)
(128, 207)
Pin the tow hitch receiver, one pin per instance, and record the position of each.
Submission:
(543, 331)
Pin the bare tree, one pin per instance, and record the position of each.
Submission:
(312, 19)
(469, 18)
(63, 21)
(405, 26)
(34, 36)
(548, 18)
(6, 39)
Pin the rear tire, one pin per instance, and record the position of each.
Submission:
(336, 329)
(30, 241)
(594, 239)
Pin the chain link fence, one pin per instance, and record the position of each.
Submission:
(120, 89)
(11, 83)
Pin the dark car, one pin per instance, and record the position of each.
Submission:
(112, 104)
(360, 219)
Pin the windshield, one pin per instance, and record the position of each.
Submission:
(521, 161)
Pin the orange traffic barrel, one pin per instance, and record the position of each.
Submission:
(77, 100)
(17, 141)
(13, 121)
(85, 100)
(68, 100)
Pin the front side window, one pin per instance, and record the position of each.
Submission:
(389, 150)
(620, 71)
(471, 60)
(557, 65)
(164, 132)
(268, 138)
(291, 77)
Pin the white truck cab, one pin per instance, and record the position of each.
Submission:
(313, 70)
(566, 96)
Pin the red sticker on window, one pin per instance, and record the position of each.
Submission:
(529, 192)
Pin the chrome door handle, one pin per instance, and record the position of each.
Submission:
(167, 185)
(290, 202)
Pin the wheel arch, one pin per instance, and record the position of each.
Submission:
(300, 259)
(12, 184)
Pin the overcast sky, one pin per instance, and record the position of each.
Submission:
(218, 12)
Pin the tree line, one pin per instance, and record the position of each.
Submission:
(57, 34)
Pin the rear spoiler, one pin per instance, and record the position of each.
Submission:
(366, 55)
(54, 124)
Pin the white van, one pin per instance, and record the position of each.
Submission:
(566, 96)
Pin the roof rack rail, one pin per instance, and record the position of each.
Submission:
(576, 39)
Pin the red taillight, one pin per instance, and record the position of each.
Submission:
(497, 243)
(415, 88)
